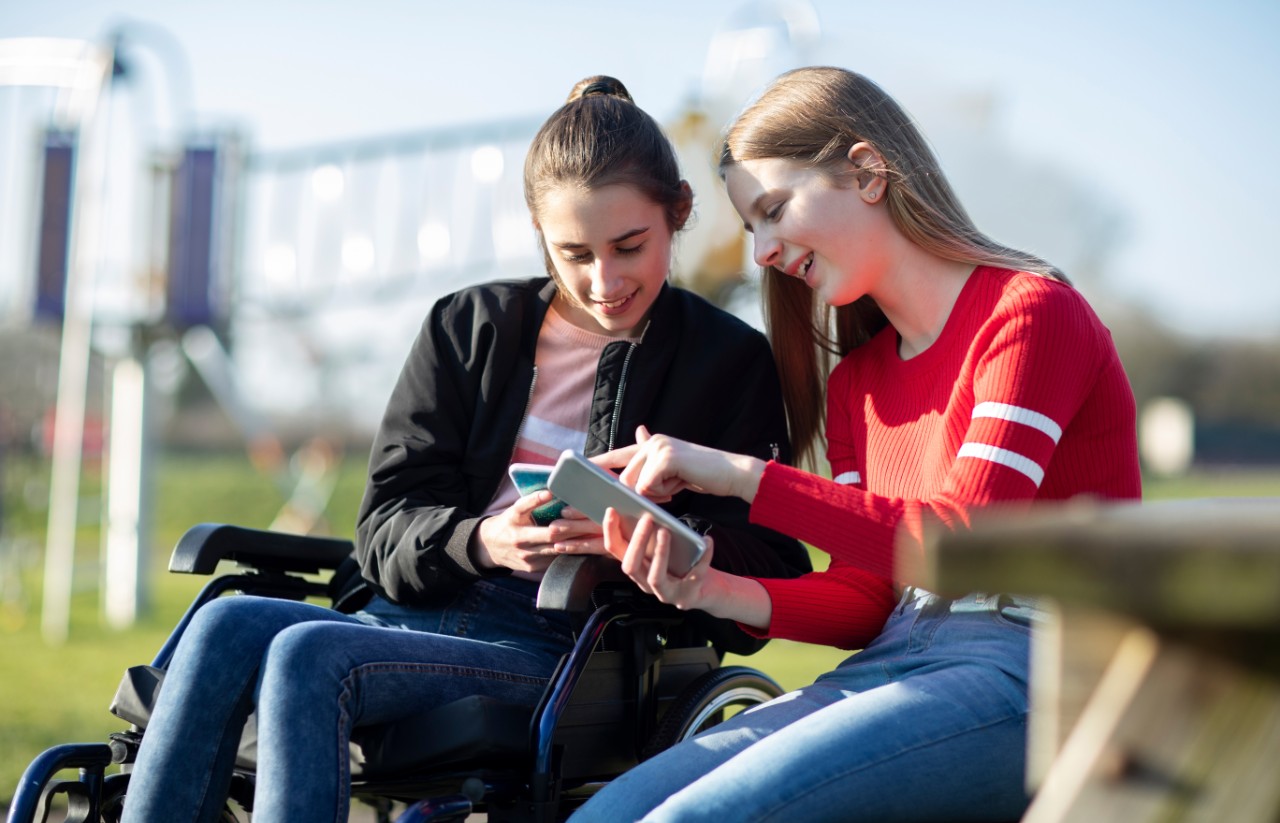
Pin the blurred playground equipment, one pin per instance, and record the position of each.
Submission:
(143, 250)
(291, 282)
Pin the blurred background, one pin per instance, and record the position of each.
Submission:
(222, 223)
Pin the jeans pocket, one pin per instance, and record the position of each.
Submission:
(506, 609)
(1020, 612)
(554, 630)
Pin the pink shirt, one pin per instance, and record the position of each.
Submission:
(565, 359)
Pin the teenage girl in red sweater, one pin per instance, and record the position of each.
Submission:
(971, 375)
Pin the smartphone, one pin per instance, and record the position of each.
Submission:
(591, 489)
(530, 478)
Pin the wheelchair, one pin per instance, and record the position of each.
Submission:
(623, 693)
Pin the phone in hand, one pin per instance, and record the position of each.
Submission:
(591, 489)
(530, 478)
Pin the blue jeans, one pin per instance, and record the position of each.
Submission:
(927, 723)
(312, 674)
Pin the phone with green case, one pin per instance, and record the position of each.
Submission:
(533, 477)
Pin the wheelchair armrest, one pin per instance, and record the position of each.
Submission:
(571, 578)
(199, 550)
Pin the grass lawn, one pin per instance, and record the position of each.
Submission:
(57, 694)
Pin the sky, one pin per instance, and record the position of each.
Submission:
(1166, 111)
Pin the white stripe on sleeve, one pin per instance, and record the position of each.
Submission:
(1004, 457)
(1017, 414)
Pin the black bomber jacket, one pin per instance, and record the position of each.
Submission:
(451, 425)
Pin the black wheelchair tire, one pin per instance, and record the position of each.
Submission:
(703, 702)
(111, 805)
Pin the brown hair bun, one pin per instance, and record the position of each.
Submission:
(601, 85)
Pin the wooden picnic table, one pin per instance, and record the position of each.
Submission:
(1155, 685)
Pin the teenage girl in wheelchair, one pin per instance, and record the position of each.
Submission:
(450, 556)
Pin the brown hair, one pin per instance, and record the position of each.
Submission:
(600, 137)
(813, 116)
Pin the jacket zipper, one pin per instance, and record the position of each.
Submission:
(617, 402)
(524, 417)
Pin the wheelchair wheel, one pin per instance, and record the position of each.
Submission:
(710, 700)
(113, 792)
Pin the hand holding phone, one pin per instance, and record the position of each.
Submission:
(530, 478)
(591, 490)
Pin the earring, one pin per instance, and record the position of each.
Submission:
(872, 195)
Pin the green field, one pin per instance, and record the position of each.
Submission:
(56, 694)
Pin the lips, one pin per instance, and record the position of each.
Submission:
(800, 268)
(612, 308)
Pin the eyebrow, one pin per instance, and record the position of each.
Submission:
(620, 238)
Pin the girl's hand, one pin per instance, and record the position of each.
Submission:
(513, 541)
(573, 533)
(659, 467)
(645, 557)
(645, 554)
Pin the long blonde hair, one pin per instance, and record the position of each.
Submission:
(813, 116)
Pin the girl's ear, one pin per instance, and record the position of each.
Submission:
(870, 167)
(685, 208)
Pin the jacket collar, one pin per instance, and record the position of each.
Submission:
(535, 311)
(653, 359)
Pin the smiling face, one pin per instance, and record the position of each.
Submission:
(611, 248)
(807, 226)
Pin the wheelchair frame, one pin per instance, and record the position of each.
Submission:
(618, 696)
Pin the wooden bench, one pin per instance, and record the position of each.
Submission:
(1155, 686)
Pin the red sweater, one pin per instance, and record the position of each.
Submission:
(1021, 398)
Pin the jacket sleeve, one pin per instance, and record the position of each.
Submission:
(416, 518)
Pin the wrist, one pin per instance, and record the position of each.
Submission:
(747, 474)
(477, 548)
(737, 598)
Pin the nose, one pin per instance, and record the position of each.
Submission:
(767, 249)
(604, 275)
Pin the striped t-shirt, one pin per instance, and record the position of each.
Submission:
(1022, 398)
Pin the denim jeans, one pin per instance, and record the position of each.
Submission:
(927, 723)
(313, 674)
